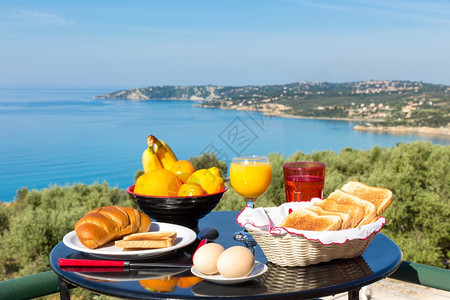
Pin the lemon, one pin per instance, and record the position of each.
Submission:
(207, 179)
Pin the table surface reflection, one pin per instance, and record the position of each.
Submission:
(381, 259)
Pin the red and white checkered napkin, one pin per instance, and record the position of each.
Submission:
(268, 219)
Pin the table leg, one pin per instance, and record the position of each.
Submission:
(353, 294)
(63, 290)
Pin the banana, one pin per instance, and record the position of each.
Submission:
(169, 150)
(165, 154)
(150, 161)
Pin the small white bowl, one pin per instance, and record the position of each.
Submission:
(258, 270)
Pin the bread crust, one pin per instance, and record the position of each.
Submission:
(345, 217)
(358, 205)
(345, 198)
(355, 212)
(305, 219)
(102, 225)
(145, 223)
(134, 217)
(156, 244)
(380, 197)
(156, 239)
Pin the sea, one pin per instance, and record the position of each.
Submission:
(65, 136)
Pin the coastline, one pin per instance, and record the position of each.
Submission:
(427, 131)
(430, 131)
(289, 116)
(278, 111)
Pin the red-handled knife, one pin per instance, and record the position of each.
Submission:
(67, 262)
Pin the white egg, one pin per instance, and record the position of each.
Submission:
(235, 262)
(205, 258)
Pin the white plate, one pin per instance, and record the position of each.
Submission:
(258, 270)
(185, 236)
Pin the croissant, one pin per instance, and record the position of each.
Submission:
(105, 224)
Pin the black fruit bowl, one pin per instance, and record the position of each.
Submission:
(185, 211)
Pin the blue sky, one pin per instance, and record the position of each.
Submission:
(127, 44)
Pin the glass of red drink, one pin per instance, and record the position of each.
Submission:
(303, 180)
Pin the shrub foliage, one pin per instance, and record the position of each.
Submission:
(417, 173)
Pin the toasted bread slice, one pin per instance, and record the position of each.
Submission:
(158, 239)
(148, 244)
(345, 217)
(356, 212)
(380, 197)
(345, 198)
(151, 236)
(305, 219)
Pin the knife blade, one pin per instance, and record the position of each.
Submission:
(69, 262)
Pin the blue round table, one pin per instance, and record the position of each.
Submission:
(381, 259)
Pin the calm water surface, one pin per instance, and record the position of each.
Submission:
(65, 136)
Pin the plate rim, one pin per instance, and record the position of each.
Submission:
(222, 280)
(190, 236)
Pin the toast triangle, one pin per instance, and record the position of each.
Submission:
(380, 197)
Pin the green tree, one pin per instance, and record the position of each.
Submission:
(38, 220)
(417, 173)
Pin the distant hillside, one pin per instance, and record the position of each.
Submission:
(390, 103)
(204, 93)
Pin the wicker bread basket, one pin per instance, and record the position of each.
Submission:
(290, 279)
(288, 247)
(291, 250)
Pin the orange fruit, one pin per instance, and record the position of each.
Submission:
(159, 182)
(183, 169)
(191, 189)
(188, 281)
(161, 284)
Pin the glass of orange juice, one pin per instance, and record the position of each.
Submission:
(250, 176)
